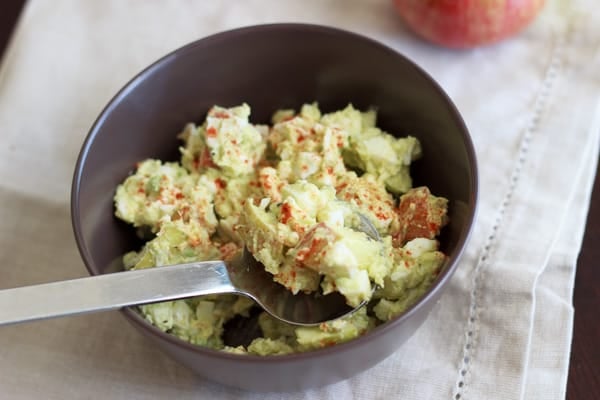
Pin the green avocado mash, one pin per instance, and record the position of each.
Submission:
(289, 192)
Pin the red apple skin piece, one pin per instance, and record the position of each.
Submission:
(462, 24)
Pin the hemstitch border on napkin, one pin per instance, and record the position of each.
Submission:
(471, 328)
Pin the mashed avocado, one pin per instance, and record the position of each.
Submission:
(290, 193)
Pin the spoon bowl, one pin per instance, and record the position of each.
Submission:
(305, 309)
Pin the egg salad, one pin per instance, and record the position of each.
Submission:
(290, 192)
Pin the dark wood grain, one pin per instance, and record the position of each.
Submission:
(584, 371)
(9, 13)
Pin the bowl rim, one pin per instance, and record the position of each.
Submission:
(230, 34)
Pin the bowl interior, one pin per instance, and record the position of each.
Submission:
(269, 67)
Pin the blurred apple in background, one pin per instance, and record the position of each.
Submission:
(467, 23)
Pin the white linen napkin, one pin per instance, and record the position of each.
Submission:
(503, 328)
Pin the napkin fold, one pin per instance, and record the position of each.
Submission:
(503, 328)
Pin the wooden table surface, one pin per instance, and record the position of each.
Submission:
(584, 372)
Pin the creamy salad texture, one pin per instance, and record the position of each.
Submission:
(290, 192)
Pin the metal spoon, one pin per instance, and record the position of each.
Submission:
(242, 275)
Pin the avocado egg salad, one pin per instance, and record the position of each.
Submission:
(290, 193)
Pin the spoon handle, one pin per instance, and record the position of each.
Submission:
(113, 291)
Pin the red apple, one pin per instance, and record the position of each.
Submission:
(467, 23)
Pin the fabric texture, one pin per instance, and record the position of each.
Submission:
(503, 328)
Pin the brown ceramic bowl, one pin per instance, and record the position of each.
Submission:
(270, 67)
